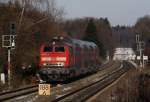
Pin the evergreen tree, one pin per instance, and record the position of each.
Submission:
(91, 35)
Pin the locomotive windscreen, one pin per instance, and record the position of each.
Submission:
(59, 49)
(48, 49)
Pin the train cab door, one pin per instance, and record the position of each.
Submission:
(71, 56)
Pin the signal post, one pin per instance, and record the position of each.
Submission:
(140, 49)
(8, 41)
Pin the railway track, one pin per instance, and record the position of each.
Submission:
(33, 89)
(18, 92)
(57, 93)
(84, 93)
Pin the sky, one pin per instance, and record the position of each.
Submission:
(122, 12)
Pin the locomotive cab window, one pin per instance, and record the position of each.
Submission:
(48, 49)
(59, 49)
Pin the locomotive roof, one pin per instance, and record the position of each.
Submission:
(72, 41)
(83, 43)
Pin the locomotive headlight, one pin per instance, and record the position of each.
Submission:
(44, 64)
(61, 64)
(61, 58)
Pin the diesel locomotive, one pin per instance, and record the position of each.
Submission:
(64, 58)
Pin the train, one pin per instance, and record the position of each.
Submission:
(64, 58)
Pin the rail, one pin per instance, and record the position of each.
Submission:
(34, 88)
(86, 92)
(18, 92)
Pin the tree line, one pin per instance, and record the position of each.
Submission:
(97, 30)
(37, 21)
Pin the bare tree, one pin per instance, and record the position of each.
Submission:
(36, 22)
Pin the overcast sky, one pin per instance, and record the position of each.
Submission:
(123, 12)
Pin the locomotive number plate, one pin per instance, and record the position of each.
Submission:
(44, 89)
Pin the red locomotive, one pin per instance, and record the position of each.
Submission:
(64, 58)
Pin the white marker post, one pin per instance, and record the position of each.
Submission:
(3, 78)
(145, 58)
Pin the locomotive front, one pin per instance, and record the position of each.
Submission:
(54, 61)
